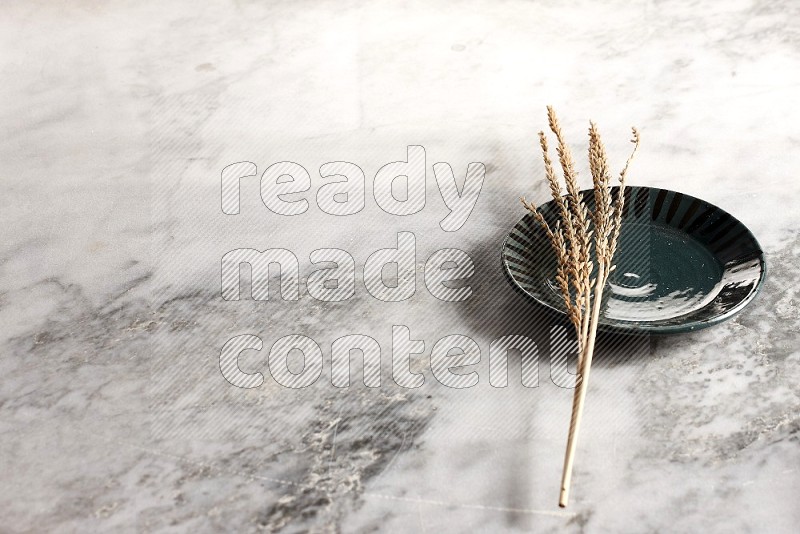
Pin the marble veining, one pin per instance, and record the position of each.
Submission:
(117, 120)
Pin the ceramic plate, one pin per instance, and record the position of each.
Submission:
(681, 264)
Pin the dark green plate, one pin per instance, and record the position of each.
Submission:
(682, 264)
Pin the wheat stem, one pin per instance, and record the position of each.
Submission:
(579, 396)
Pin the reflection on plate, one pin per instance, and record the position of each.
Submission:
(681, 263)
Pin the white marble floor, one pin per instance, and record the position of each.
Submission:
(117, 120)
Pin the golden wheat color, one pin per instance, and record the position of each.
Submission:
(576, 238)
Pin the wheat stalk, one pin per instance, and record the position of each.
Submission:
(573, 238)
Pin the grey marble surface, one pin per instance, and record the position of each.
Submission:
(117, 119)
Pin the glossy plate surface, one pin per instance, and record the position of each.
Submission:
(681, 264)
